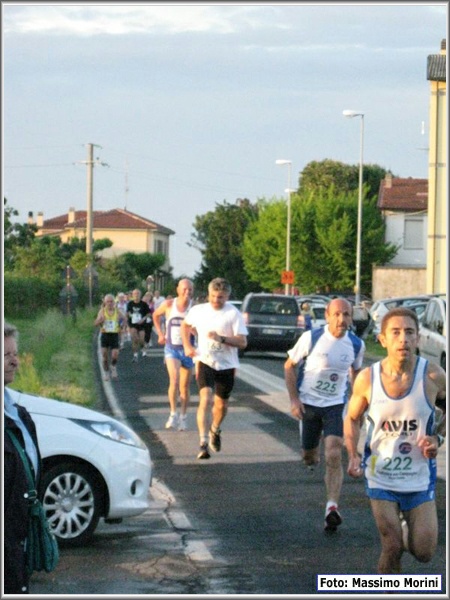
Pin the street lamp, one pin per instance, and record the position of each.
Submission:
(351, 114)
(288, 227)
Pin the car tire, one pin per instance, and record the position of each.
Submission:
(72, 499)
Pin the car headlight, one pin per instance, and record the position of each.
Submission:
(112, 430)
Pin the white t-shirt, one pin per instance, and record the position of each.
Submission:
(227, 321)
(325, 367)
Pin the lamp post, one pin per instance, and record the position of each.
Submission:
(287, 287)
(351, 114)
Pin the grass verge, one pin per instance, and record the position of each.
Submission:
(56, 357)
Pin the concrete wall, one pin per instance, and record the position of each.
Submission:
(392, 281)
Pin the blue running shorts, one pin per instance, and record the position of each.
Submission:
(186, 361)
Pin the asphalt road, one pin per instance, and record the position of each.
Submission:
(248, 521)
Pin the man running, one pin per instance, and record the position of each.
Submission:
(179, 366)
(399, 395)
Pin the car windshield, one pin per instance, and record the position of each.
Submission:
(273, 306)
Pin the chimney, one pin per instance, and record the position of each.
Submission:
(388, 181)
(71, 218)
(40, 219)
(30, 220)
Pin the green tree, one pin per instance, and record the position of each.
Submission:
(42, 258)
(219, 236)
(323, 241)
(318, 176)
(131, 269)
(15, 235)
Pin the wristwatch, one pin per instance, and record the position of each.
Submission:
(222, 339)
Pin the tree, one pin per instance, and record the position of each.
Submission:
(219, 237)
(318, 176)
(15, 235)
(131, 269)
(323, 241)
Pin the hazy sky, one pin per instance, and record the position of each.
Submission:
(191, 104)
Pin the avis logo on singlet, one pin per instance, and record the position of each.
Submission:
(404, 426)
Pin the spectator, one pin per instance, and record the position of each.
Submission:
(15, 489)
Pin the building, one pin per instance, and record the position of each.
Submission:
(128, 232)
(437, 174)
(403, 203)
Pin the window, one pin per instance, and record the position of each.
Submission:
(413, 234)
(161, 247)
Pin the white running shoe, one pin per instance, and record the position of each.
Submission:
(114, 374)
(182, 423)
(172, 422)
(106, 375)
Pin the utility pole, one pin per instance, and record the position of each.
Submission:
(89, 213)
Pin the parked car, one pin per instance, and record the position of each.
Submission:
(362, 321)
(93, 466)
(319, 314)
(381, 307)
(313, 299)
(433, 331)
(236, 303)
(273, 321)
(419, 309)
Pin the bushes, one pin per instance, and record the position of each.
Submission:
(25, 297)
(57, 357)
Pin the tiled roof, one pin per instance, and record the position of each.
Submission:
(116, 218)
(403, 194)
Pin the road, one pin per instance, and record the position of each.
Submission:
(247, 521)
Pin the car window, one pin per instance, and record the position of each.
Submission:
(273, 306)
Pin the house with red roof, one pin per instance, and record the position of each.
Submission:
(403, 203)
(127, 231)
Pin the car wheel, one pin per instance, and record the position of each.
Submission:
(72, 500)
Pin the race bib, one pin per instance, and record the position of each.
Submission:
(214, 346)
(326, 383)
(175, 336)
(109, 326)
(136, 318)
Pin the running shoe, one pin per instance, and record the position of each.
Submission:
(114, 374)
(135, 357)
(182, 423)
(204, 452)
(332, 519)
(214, 440)
(144, 353)
(172, 422)
(106, 375)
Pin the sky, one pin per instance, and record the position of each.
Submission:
(189, 105)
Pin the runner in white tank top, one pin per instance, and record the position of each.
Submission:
(400, 396)
(179, 366)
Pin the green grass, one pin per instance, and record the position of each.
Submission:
(56, 356)
(374, 348)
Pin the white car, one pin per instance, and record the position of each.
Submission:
(433, 331)
(93, 467)
(381, 307)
